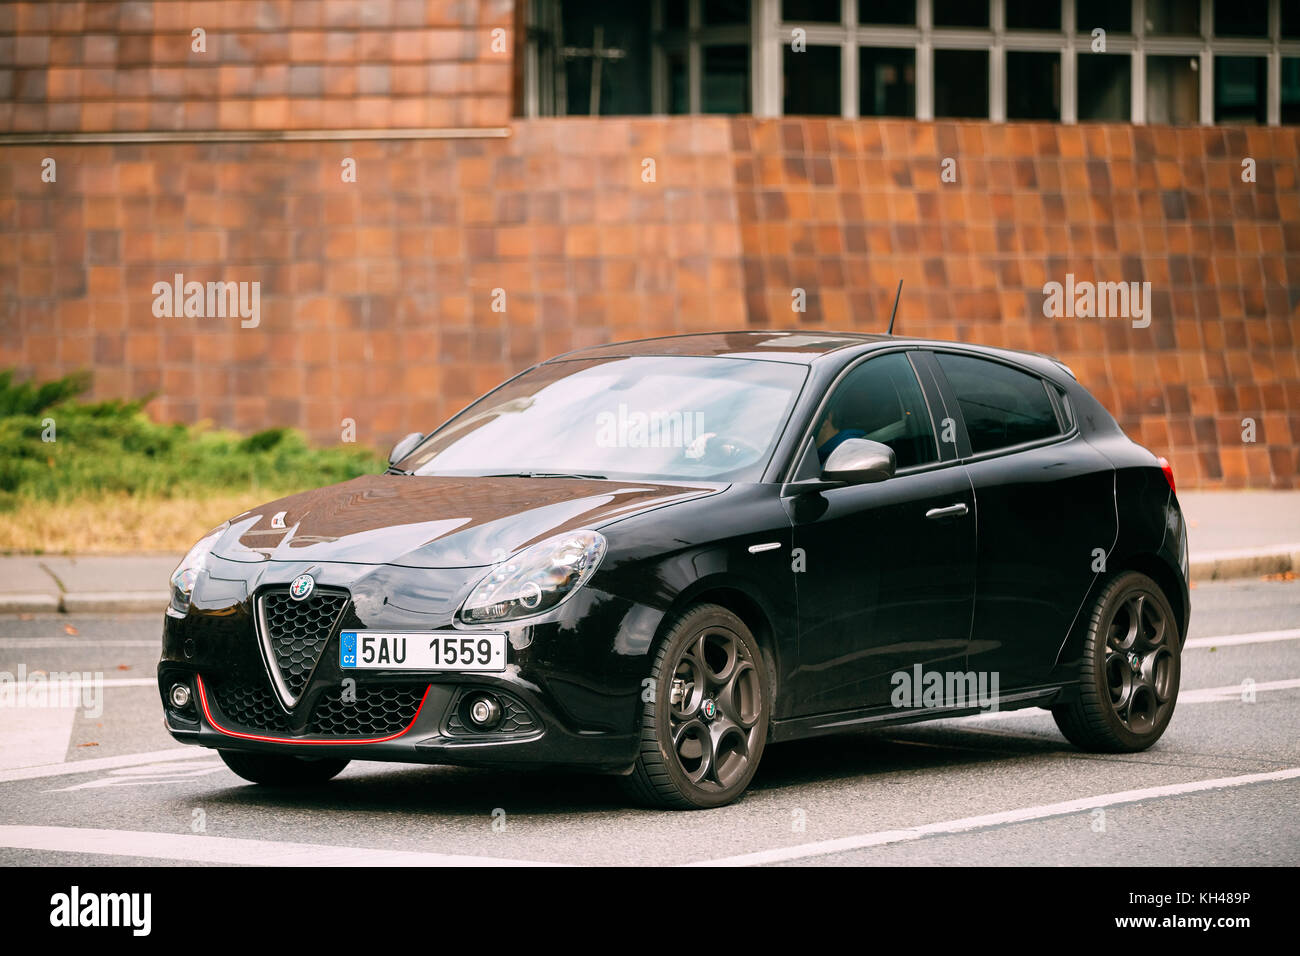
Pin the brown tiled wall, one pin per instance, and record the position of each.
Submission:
(844, 209)
(268, 65)
(376, 296)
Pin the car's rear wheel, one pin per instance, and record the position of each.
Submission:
(1129, 670)
(281, 771)
(703, 730)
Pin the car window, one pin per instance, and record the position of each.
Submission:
(644, 418)
(1002, 406)
(880, 400)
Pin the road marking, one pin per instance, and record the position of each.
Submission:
(80, 683)
(1258, 637)
(1206, 695)
(967, 824)
(95, 764)
(80, 643)
(227, 850)
(1202, 695)
(34, 735)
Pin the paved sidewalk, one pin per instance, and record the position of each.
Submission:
(1232, 534)
(95, 583)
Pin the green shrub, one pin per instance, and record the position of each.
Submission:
(114, 447)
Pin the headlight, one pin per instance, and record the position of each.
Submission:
(187, 572)
(536, 579)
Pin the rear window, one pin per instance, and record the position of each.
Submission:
(1002, 406)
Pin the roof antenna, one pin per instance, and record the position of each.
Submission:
(894, 314)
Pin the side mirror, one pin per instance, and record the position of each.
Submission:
(859, 461)
(405, 447)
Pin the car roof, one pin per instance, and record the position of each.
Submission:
(802, 346)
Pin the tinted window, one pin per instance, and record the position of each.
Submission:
(1001, 405)
(880, 400)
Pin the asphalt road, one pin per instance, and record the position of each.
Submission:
(1221, 787)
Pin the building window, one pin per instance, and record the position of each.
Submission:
(961, 84)
(1173, 17)
(1033, 15)
(1290, 20)
(721, 13)
(1241, 18)
(679, 88)
(961, 13)
(675, 14)
(1033, 85)
(1239, 84)
(1173, 90)
(1291, 90)
(810, 11)
(897, 13)
(725, 84)
(1113, 16)
(1105, 87)
(886, 81)
(812, 81)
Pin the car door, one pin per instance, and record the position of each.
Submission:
(887, 579)
(1044, 500)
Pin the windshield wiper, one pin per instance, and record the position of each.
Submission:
(542, 474)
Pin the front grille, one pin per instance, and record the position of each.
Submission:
(297, 632)
(250, 704)
(377, 711)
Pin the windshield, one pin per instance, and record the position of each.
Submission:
(647, 417)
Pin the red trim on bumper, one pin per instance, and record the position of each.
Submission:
(342, 741)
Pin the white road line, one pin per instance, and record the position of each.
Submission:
(1258, 637)
(1202, 695)
(1207, 695)
(95, 764)
(226, 850)
(967, 824)
(61, 686)
(77, 643)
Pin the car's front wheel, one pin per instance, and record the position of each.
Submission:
(1129, 670)
(280, 771)
(705, 721)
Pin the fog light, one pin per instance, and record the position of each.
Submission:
(484, 711)
(179, 696)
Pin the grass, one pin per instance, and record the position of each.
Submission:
(113, 480)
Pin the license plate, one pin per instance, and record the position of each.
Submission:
(428, 651)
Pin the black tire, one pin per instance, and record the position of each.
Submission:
(275, 770)
(1128, 672)
(715, 662)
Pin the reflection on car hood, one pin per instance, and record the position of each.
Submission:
(435, 522)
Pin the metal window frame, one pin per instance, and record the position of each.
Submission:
(767, 33)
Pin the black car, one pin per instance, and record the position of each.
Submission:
(651, 559)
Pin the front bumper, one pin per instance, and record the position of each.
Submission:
(569, 694)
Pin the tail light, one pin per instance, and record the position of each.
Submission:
(1168, 469)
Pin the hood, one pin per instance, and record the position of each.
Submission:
(435, 522)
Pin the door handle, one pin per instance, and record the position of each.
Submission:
(952, 511)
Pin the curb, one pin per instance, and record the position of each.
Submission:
(1221, 565)
(29, 603)
(86, 602)
(114, 602)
